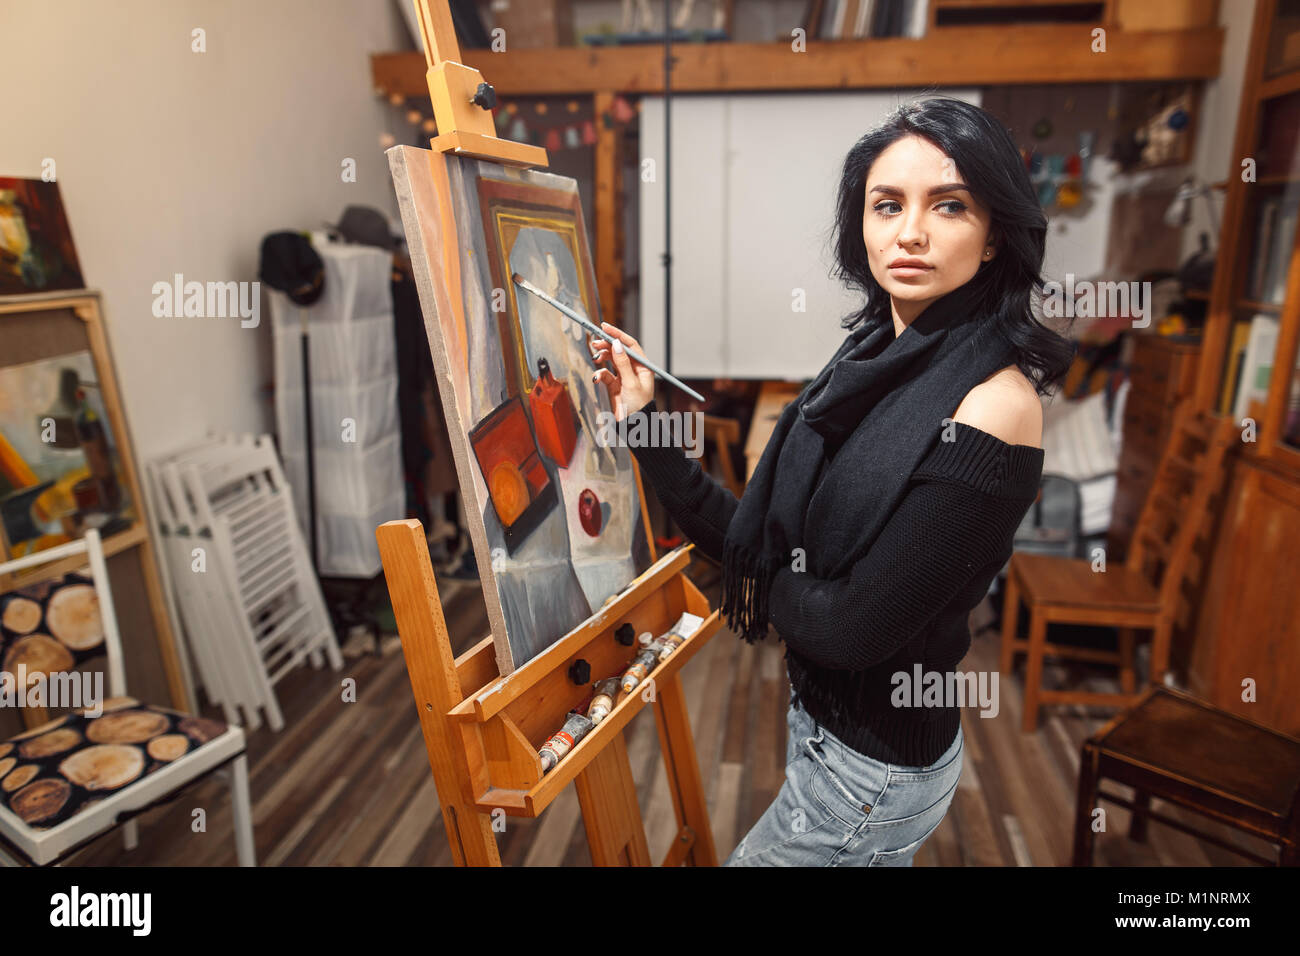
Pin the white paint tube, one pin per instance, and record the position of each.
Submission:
(606, 695)
(563, 740)
(642, 665)
(686, 625)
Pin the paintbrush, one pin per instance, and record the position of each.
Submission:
(525, 284)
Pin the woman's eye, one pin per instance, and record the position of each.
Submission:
(952, 207)
(888, 208)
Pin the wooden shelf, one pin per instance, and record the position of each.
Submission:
(1250, 305)
(1280, 85)
(954, 56)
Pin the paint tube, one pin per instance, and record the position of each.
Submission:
(603, 702)
(686, 625)
(642, 665)
(563, 740)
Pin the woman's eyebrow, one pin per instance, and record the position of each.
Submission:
(934, 191)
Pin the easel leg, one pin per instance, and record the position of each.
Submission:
(684, 772)
(432, 669)
(607, 795)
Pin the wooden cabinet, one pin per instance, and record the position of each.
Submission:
(1162, 372)
(1245, 655)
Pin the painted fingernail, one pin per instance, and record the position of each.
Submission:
(618, 346)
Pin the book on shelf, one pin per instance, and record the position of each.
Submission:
(1233, 362)
(1257, 364)
(858, 19)
(1275, 230)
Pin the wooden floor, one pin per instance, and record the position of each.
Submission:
(348, 784)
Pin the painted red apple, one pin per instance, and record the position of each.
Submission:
(589, 512)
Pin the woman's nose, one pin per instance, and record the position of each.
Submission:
(911, 233)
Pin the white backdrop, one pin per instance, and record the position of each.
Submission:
(753, 191)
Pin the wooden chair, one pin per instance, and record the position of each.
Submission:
(80, 775)
(1145, 593)
(1182, 750)
(723, 433)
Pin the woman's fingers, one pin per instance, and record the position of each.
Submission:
(623, 377)
(598, 348)
(622, 336)
(607, 378)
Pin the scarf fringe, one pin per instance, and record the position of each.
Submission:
(746, 582)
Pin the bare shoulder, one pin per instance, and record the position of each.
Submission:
(1006, 406)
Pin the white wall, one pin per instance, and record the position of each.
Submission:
(1217, 125)
(174, 161)
(753, 192)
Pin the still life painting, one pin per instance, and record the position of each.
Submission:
(556, 516)
(60, 472)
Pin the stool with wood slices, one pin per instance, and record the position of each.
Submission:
(1182, 750)
(73, 778)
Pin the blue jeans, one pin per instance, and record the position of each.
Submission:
(839, 807)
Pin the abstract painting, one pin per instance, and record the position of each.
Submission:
(555, 516)
(36, 250)
(60, 471)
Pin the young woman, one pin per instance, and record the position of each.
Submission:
(888, 496)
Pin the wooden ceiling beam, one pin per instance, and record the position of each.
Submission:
(969, 56)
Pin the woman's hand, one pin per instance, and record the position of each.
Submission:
(631, 385)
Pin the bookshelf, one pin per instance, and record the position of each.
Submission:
(1248, 368)
(1244, 626)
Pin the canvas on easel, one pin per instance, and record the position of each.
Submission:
(555, 515)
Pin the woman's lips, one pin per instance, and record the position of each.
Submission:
(904, 269)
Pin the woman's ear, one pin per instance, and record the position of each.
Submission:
(990, 250)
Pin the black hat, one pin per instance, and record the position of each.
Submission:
(290, 264)
(365, 226)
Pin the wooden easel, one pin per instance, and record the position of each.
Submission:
(483, 730)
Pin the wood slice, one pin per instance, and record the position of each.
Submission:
(40, 653)
(7, 764)
(37, 731)
(22, 615)
(5, 748)
(55, 742)
(104, 766)
(40, 800)
(112, 704)
(72, 616)
(201, 729)
(20, 777)
(127, 727)
(168, 747)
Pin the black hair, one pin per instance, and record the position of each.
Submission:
(991, 166)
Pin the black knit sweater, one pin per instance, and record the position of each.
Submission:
(906, 601)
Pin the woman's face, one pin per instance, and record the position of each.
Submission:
(925, 233)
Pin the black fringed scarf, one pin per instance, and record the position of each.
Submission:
(841, 453)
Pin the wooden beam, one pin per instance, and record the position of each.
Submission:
(967, 56)
(609, 267)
